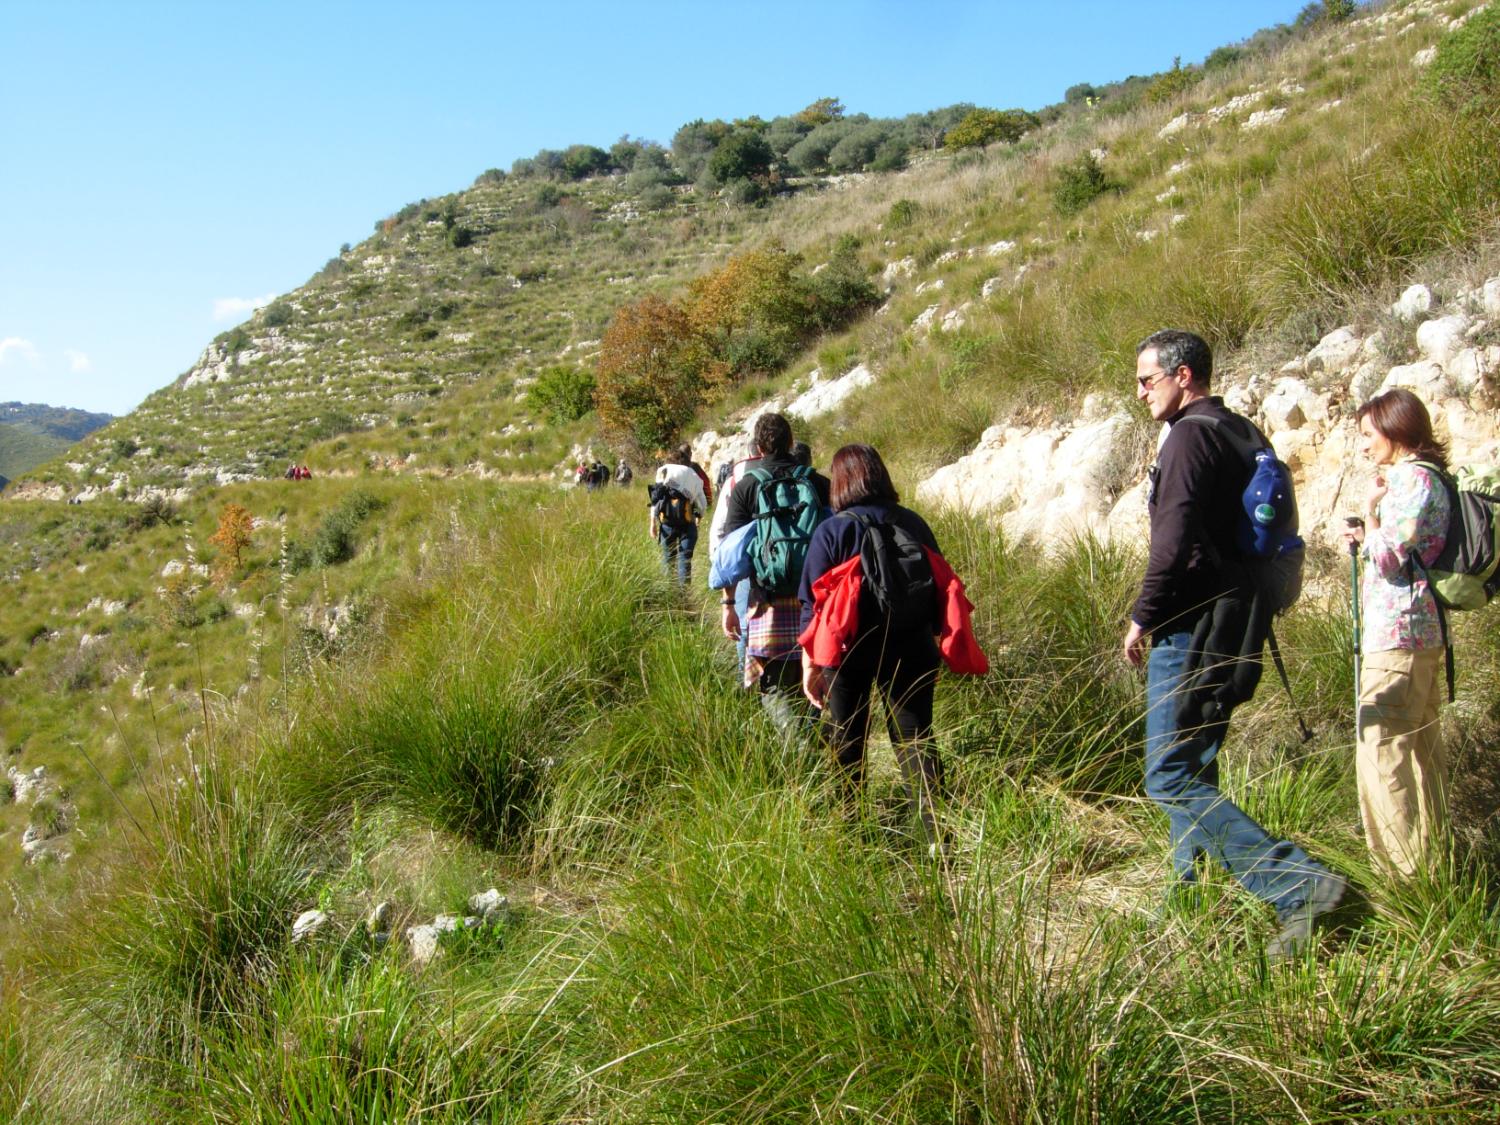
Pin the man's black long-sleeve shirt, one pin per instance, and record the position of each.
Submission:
(1195, 504)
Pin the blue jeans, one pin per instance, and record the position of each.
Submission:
(1182, 777)
(679, 545)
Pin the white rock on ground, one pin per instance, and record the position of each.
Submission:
(489, 905)
(1441, 339)
(1335, 352)
(1413, 302)
(308, 923)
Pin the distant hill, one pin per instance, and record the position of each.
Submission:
(32, 433)
(53, 421)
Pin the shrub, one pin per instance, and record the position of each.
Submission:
(334, 541)
(902, 214)
(276, 314)
(1465, 74)
(579, 161)
(562, 394)
(490, 176)
(459, 236)
(1172, 83)
(123, 448)
(1079, 184)
(982, 127)
(233, 535)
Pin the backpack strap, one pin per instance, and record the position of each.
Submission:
(1413, 563)
(1286, 682)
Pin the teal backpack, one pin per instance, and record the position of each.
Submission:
(787, 509)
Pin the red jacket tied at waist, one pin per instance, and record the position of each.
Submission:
(835, 621)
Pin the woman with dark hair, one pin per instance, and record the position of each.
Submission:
(1400, 765)
(900, 660)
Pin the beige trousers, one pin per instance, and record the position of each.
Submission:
(1400, 763)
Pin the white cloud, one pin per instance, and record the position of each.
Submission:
(23, 348)
(78, 361)
(231, 308)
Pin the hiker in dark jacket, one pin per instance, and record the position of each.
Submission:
(772, 622)
(1194, 503)
(902, 664)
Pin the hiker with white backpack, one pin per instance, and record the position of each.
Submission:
(677, 502)
(1400, 765)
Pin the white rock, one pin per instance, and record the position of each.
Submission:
(1335, 351)
(954, 319)
(1424, 377)
(1441, 339)
(1424, 56)
(945, 257)
(931, 286)
(379, 919)
(894, 271)
(989, 288)
(175, 566)
(1282, 411)
(1049, 484)
(1467, 369)
(825, 395)
(489, 904)
(1367, 380)
(1263, 117)
(1490, 297)
(308, 923)
(995, 249)
(925, 318)
(1414, 301)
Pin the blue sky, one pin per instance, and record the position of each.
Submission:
(165, 166)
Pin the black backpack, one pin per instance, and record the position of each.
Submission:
(674, 511)
(896, 573)
(1230, 640)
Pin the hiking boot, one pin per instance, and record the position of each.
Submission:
(1324, 893)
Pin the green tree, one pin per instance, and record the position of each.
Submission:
(982, 127)
(562, 393)
(743, 155)
(820, 112)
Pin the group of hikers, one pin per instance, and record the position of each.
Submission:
(832, 591)
(297, 472)
(594, 475)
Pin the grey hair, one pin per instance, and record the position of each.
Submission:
(1176, 348)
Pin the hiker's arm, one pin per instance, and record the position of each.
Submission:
(1136, 642)
(814, 681)
(729, 620)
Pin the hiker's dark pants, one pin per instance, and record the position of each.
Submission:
(1182, 777)
(904, 671)
(679, 545)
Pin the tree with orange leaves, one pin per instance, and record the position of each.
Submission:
(655, 370)
(236, 525)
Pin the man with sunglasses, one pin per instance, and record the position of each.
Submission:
(1194, 504)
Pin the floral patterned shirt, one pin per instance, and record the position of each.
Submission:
(1399, 610)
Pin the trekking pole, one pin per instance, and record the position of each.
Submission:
(1355, 521)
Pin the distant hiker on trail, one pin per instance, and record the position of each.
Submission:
(785, 501)
(1400, 766)
(623, 474)
(726, 469)
(598, 476)
(1195, 501)
(677, 504)
(876, 596)
(802, 453)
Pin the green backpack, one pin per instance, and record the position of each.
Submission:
(787, 509)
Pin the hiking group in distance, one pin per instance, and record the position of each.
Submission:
(832, 591)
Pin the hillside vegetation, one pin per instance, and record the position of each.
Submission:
(424, 674)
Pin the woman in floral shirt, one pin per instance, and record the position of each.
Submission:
(1400, 764)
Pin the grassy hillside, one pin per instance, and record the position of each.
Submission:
(416, 682)
(22, 450)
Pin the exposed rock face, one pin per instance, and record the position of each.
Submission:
(1053, 482)
(1049, 483)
